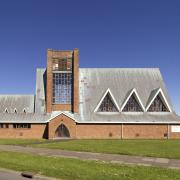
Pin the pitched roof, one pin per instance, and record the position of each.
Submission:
(93, 82)
(18, 102)
(40, 90)
(23, 118)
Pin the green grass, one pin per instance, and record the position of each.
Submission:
(20, 141)
(65, 168)
(152, 148)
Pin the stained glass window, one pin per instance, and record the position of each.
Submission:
(107, 105)
(157, 106)
(132, 105)
(62, 88)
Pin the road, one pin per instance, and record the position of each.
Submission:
(13, 175)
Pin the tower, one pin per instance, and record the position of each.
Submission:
(62, 86)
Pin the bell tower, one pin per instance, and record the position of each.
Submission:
(62, 86)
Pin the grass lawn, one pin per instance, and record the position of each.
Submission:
(20, 141)
(78, 169)
(154, 148)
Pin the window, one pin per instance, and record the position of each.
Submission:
(107, 105)
(23, 126)
(6, 111)
(15, 110)
(62, 64)
(24, 111)
(4, 125)
(132, 105)
(158, 106)
(62, 88)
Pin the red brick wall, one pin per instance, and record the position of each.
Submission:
(129, 131)
(61, 107)
(75, 107)
(57, 121)
(174, 135)
(101, 131)
(144, 131)
(90, 131)
(37, 131)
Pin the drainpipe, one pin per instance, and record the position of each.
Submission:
(168, 136)
(122, 131)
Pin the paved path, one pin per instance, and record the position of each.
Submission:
(14, 175)
(112, 158)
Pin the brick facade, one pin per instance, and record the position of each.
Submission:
(99, 131)
(91, 131)
(57, 121)
(37, 131)
(75, 70)
(145, 131)
(81, 130)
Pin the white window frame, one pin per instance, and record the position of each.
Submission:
(6, 110)
(163, 98)
(137, 98)
(113, 99)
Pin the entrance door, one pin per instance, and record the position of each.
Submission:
(62, 132)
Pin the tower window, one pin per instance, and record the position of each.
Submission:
(62, 64)
(62, 88)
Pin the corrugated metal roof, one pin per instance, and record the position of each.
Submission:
(93, 83)
(134, 118)
(40, 90)
(18, 102)
(23, 118)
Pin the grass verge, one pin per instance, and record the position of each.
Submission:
(20, 141)
(65, 168)
(152, 148)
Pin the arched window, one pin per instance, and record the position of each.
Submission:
(62, 132)
(15, 110)
(6, 110)
(24, 110)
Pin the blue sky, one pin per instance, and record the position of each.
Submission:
(111, 33)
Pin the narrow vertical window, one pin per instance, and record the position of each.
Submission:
(62, 81)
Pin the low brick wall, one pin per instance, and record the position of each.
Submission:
(99, 131)
(37, 131)
(145, 131)
(93, 131)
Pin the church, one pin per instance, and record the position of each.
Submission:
(90, 103)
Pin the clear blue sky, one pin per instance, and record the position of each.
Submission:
(108, 33)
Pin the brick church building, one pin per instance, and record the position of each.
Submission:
(73, 102)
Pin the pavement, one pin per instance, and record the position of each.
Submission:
(14, 175)
(110, 158)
